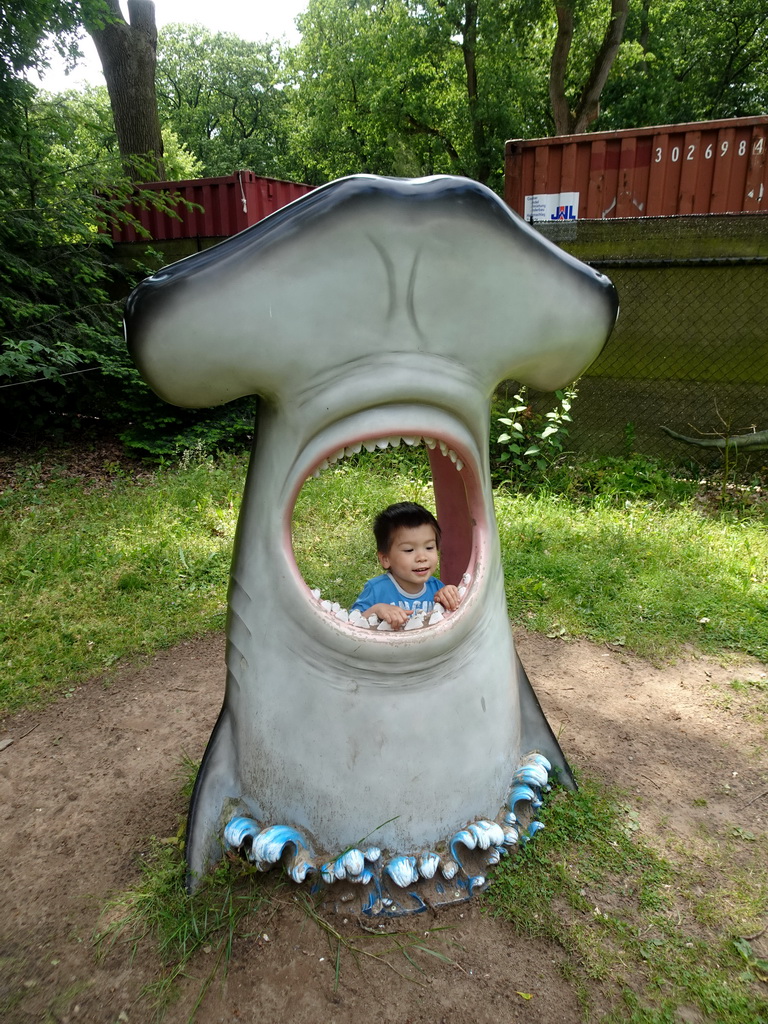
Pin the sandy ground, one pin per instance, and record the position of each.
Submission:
(84, 783)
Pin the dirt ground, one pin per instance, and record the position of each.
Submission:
(84, 783)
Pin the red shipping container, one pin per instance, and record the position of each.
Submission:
(227, 205)
(672, 170)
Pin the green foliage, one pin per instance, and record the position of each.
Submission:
(54, 303)
(534, 441)
(683, 61)
(225, 98)
(26, 26)
(616, 481)
(90, 138)
(385, 88)
(63, 362)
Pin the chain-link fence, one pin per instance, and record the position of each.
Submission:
(689, 352)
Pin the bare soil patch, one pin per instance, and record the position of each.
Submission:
(85, 782)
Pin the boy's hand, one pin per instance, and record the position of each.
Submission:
(449, 597)
(396, 617)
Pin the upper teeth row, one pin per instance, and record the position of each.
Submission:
(393, 441)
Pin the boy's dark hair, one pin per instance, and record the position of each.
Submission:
(404, 513)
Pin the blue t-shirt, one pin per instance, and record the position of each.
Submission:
(384, 590)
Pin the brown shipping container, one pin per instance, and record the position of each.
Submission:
(227, 205)
(678, 169)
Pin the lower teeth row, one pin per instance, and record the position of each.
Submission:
(416, 621)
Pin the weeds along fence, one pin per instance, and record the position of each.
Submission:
(690, 349)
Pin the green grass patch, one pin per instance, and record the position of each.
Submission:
(89, 574)
(194, 936)
(646, 575)
(589, 883)
(93, 572)
(159, 914)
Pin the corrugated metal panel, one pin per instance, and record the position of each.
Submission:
(707, 167)
(222, 206)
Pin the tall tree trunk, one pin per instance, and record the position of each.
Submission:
(128, 54)
(587, 107)
(469, 51)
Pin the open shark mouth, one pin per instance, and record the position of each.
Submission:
(371, 313)
(460, 512)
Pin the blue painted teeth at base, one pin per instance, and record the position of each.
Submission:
(490, 840)
(428, 865)
(240, 832)
(449, 869)
(265, 847)
(402, 871)
(523, 792)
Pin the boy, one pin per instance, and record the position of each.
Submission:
(407, 546)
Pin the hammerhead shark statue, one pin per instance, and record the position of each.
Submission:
(368, 311)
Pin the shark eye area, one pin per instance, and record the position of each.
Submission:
(333, 545)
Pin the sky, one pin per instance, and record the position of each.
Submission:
(249, 19)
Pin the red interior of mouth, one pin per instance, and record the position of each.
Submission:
(454, 517)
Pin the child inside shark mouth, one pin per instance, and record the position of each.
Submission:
(407, 546)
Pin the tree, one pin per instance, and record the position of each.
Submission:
(90, 139)
(26, 25)
(128, 54)
(415, 88)
(683, 61)
(575, 116)
(63, 361)
(225, 97)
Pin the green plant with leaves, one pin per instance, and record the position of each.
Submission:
(533, 442)
(64, 367)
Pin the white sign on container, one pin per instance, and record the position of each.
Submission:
(553, 206)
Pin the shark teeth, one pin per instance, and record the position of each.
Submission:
(371, 444)
(481, 843)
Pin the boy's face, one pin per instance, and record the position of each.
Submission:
(412, 556)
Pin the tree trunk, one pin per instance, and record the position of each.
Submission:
(573, 121)
(128, 54)
(469, 52)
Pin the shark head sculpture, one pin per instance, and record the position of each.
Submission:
(369, 311)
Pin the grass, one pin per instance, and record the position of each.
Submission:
(627, 918)
(179, 927)
(194, 936)
(642, 935)
(648, 576)
(90, 574)
(93, 573)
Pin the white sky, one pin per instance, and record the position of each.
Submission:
(249, 19)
